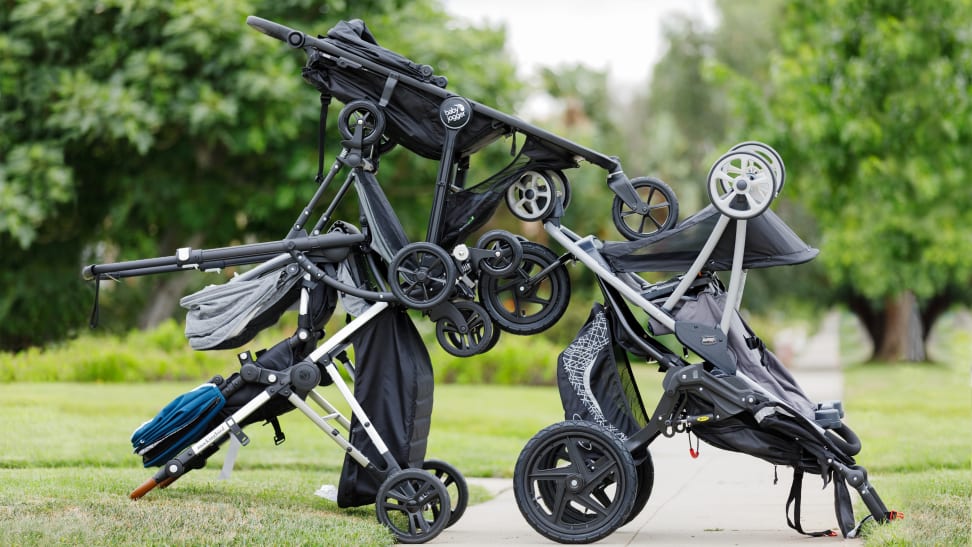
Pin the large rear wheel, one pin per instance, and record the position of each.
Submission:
(532, 297)
(574, 482)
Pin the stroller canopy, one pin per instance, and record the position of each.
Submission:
(769, 242)
(356, 67)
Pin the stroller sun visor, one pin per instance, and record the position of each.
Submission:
(409, 92)
(769, 242)
(229, 315)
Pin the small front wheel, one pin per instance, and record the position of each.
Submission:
(422, 275)
(657, 212)
(472, 335)
(362, 115)
(414, 505)
(505, 252)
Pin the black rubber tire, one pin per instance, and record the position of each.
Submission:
(522, 305)
(455, 484)
(646, 481)
(370, 117)
(581, 470)
(479, 336)
(414, 505)
(509, 248)
(662, 211)
(422, 275)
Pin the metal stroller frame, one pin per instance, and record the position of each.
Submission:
(578, 481)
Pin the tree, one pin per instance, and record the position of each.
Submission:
(869, 104)
(128, 130)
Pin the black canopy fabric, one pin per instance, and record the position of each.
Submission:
(394, 384)
(411, 109)
(769, 242)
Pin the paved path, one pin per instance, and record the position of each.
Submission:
(721, 498)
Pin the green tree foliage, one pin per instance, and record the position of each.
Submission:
(868, 101)
(128, 129)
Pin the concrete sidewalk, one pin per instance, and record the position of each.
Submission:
(720, 498)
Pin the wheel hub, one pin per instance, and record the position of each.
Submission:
(575, 483)
(741, 184)
(422, 275)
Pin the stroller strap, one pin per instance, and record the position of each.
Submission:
(794, 499)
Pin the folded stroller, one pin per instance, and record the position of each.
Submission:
(384, 438)
(579, 480)
(390, 100)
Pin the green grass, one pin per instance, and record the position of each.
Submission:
(915, 422)
(66, 467)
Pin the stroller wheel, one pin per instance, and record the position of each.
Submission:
(475, 335)
(769, 154)
(741, 185)
(532, 297)
(455, 485)
(562, 186)
(646, 481)
(574, 482)
(422, 275)
(659, 213)
(506, 249)
(363, 114)
(532, 196)
(414, 505)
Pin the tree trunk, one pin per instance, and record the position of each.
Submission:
(166, 293)
(903, 336)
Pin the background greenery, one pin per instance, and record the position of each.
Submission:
(131, 129)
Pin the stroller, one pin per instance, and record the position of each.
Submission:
(389, 100)
(578, 481)
(377, 274)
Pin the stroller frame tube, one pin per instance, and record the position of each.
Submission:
(734, 294)
(656, 313)
(696, 267)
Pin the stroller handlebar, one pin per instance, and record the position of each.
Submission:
(294, 38)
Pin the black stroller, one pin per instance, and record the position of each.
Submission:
(579, 480)
(390, 100)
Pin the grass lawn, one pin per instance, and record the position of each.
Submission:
(66, 466)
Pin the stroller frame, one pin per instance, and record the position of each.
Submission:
(572, 504)
(414, 504)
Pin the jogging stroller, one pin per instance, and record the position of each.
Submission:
(578, 481)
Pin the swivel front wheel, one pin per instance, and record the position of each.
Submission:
(414, 505)
(657, 212)
(422, 275)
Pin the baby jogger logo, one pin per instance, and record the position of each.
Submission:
(455, 112)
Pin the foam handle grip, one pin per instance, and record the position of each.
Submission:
(276, 30)
(145, 488)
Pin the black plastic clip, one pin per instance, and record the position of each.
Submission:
(236, 431)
